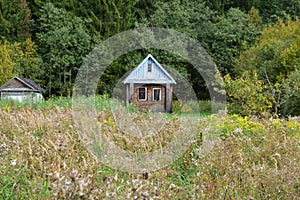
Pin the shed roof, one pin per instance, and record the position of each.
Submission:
(157, 75)
(26, 85)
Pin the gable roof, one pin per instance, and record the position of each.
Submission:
(28, 85)
(157, 75)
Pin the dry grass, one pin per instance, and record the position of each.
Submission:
(42, 157)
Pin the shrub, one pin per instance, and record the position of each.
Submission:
(248, 95)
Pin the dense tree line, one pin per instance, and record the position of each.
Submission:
(48, 40)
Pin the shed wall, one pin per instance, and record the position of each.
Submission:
(22, 96)
(149, 104)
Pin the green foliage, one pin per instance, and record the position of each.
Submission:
(104, 18)
(63, 41)
(276, 58)
(14, 18)
(101, 103)
(248, 95)
(116, 71)
(230, 35)
(224, 36)
(110, 17)
(290, 97)
(254, 158)
(275, 53)
(274, 9)
(19, 59)
(27, 60)
(270, 10)
(254, 17)
(223, 6)
(63, 32)
(179, 15)
(7, 62)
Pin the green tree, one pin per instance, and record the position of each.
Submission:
(6, 62)
(63, 42)
(223, 6)
(270, 10)
(274, 9)
(229, 36)
(14, 18)
(276, 58)
(145, 8)
(248, 95)
(180, 15)
(114, 16)
(27, 60)
(19, 59)
(276, 52)
(288, 97)
(105, 17)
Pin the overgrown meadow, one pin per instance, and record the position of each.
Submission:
(43, 157)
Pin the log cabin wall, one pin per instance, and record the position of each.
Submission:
(149, 102)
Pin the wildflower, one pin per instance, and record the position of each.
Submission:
(67, 182)
(13, 162)
(81, 194)
(238, 130)
(3, 145)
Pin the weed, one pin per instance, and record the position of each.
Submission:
(43, 157)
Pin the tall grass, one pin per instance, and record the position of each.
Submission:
(204, 107)
(101, 102)
(43, 157)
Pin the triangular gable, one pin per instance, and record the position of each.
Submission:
(157, 74)
(32, 84)
(21, 84)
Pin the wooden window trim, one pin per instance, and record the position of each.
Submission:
(159, 94)
(138, 94)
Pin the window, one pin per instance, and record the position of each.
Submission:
(149, 65)
(142, 94)
(156, 94)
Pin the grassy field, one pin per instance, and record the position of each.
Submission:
(43, 157)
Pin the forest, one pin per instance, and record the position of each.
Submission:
(249, 150)
(250, 41)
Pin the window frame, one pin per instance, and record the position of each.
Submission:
(149, 69)
(138, 94)
(160, 91)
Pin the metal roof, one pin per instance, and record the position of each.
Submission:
(156, 75)
(32, 86)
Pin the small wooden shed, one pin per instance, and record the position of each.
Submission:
(149, 86)
(21, 89)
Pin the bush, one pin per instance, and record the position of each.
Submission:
(290, 95)
(248, 95)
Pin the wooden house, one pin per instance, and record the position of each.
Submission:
(21, 89)
(149, 86)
